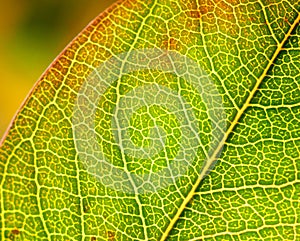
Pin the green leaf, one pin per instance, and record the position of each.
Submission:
(162, 120)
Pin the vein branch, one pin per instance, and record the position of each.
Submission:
(230, 129)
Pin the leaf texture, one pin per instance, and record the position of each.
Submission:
(251, 52)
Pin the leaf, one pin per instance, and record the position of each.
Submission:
(115, 140)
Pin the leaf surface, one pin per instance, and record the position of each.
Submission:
(53, 186)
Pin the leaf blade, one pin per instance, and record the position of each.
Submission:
(58, 179)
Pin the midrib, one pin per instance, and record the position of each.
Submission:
(230, 129)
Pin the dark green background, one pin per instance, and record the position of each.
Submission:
(32, 34)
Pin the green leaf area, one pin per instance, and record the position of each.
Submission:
(142, 154)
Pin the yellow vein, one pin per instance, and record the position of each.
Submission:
(230, 129)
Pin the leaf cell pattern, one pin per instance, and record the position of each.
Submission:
(250, 49)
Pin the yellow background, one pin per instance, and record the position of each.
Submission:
(32, 34)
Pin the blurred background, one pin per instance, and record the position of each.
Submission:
(32, 34)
